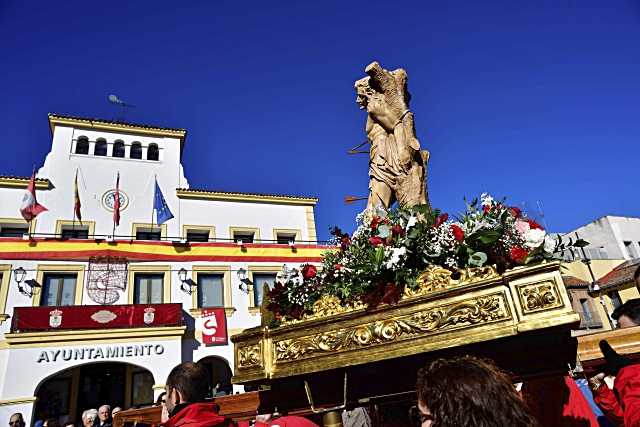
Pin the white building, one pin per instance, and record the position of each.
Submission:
(610, 237)
(52, 369)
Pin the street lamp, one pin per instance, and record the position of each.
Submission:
(245, 283)
(18, 275)
(186, 284)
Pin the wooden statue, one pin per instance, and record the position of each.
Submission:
(397, 167)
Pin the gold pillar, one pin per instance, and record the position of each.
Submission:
(332, 419)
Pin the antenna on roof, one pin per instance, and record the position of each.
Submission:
(117, 101)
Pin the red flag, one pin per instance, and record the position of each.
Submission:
(116, 202)
(76, 200)
(30, 207)
(214, 326)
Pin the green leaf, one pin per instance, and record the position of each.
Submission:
(379, 255)
(488, 236)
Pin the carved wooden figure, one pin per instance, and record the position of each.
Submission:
(397, 167)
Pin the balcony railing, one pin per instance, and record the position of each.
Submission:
(32, 319)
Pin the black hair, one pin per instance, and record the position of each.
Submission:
(191, 380)
(631, 309)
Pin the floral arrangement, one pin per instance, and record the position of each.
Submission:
(390, 248)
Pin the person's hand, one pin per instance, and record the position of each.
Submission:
(596, 381)
(615, 362)
(165, 414)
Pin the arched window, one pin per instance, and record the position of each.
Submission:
(82, 145)
(136, 151)
(152, 152)
(100, 148)
(118, 148)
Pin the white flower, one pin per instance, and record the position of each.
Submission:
(412, 221)
(522, 227)
(486, 199)
(549, 244)
(534, 238)
(396, 253)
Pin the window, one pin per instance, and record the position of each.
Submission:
(82, 145)
(58, 289)
(259, 280)
(285, 238)
(118, 148)
(78, 232)
(100, 148)
(615, 299)
(148, 233)
(136, 151)
(198, 235)
(153, 152)
(630, 250)
(148, 288)
(13, 230)
(243, 236)
(210, 290)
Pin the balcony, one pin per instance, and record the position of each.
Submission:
(89, 317)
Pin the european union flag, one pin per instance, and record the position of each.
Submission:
(163, 213)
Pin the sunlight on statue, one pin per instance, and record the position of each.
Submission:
(397, 167)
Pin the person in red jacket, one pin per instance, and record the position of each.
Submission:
(627, 384)
(627, 316)
(186, 387)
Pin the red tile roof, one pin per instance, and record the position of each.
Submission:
(624, 273)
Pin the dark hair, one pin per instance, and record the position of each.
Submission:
(631, 309)
(465, 392)
(191, 380)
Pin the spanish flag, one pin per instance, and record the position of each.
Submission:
(76, 199)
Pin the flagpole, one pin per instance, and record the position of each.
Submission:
(75, 189)
(155, 183)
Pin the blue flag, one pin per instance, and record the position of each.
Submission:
(163, 213)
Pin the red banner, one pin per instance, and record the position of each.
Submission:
(96, 317)
(214, 326)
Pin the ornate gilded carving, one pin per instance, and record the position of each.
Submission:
(249, 356)
(471, 312)
(539, 296)
(437, 278)
(397, 167)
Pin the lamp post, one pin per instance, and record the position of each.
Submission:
(185, 285)
(245, 283)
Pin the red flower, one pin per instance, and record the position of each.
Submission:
(533, 225)
(344, 242)
(338, 267)
(397, 230)
(518, 254)
(375, 222)
(375, 241)
(515, 212)
(458, 232)
(309, 271)
(486, 209)
(297, 311)
(441, 219)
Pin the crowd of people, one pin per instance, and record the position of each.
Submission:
(457, 392)
(101, 417)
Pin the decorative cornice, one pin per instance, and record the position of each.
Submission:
(22, 182)
(80, 122)
(188, 193)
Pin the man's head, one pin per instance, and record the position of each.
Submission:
(104, 413)
(628, 314)
(188, 382)
(16, 420)
(115, 410)
(89, 417)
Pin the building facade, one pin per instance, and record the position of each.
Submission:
(91, 313)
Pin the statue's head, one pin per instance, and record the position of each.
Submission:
(363, 92)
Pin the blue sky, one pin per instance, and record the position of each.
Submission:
(535, 101)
